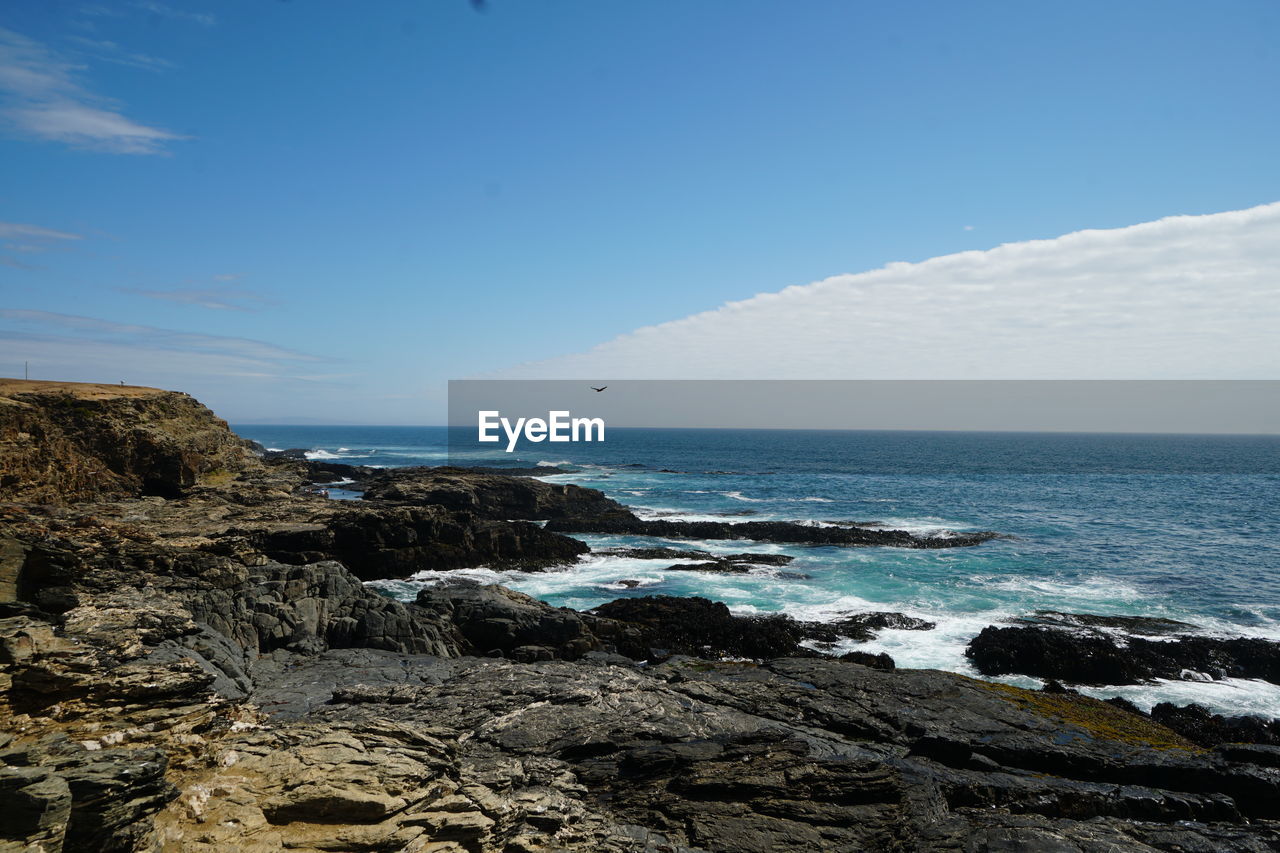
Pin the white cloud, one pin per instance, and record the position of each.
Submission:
(41, 96)
(204, 19)
(16, 230)
(109, 51)
(217, 298)
(69, 330)
(1182, 297)
(29, 239)
(32, 238)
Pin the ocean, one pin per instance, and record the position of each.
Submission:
(1182, 527)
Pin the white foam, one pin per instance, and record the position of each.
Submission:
(344, 453)
(543, 463)
(928, 525)
(653, 513)
(739, 496)
(1046, 591)
(1230, 696)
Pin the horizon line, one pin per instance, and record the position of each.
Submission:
(814, 429)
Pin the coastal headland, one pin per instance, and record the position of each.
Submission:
(191, 660)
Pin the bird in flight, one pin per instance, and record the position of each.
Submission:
(597, 390)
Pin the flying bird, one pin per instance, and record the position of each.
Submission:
(597, 390)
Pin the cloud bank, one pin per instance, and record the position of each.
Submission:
(1189, 297)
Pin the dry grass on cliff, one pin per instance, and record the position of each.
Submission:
(80, 390)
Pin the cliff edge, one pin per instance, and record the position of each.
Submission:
(68, 441)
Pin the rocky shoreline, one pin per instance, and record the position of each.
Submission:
(190, 660)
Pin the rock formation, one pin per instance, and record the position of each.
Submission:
(189, 661)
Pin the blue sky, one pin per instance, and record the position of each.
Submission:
(325, 209)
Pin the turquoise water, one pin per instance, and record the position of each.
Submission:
(1184, 527)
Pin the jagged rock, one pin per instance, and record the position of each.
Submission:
(762, 531)
(1136, 625)
(489, 496)
(875, 661)
(150, 645)
(396, 541)
(1089, 657)
(495, 619)
(699, 556)
(1198, 725)
(658, 626)
(62, 441)
(73, 797)
(815, 754)
(37, 808)
(316, 607)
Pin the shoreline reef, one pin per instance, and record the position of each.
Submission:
(191, 659)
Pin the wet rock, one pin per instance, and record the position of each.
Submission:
(297, 454)
(1090, 657)
(378, 542)
(658, 626)
(1135, 625)
(1198, 725)
(875, 661)
(861, 627)
(763, 531)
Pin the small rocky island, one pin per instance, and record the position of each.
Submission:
(190, 660)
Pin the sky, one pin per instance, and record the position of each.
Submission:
(323, 211)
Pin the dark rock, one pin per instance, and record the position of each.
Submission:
(521, 627)
(1125, 705)
(657, 554)
(378, 542)
(150, 644)
(114, 792)
(298, 454)
(1137, 625)
(862, 627)
(1198, 725)
(316, 607)
(1052, 686)
(761, 531)
(1088, 657)
(488, 496)
(37, 808)
(658, 626)
(875, 661)
(717, 566)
